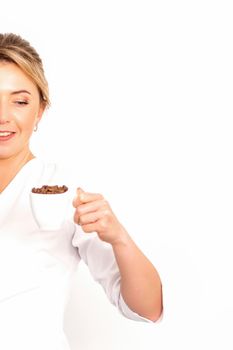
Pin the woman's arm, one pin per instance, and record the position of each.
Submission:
(140, 283)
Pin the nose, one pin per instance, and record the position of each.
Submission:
(4, 113)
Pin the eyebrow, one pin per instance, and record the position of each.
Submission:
(20, 92)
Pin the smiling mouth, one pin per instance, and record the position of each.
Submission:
(6, 133)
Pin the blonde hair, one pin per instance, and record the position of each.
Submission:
(16, 50)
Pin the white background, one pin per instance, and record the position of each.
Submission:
(142, 104)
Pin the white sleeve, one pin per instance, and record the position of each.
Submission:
(100, 259)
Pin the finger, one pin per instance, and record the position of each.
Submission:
(89, 228)
(97, 226)
(91, 206)
(89, 218)
(76, 200)
(85, 197)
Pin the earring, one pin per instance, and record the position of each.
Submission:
(36, 127)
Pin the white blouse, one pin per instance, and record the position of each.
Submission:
(37, 266)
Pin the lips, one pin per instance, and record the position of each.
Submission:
(6, 135)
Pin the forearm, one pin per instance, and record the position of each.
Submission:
(140, 282)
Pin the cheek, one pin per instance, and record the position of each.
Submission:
(26, 119)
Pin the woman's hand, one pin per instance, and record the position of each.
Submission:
(140, 283)
(94, 214)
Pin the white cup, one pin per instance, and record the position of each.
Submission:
(49, 210)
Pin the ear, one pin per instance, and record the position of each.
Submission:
(40, 112)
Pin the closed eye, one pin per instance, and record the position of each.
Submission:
(21, 103)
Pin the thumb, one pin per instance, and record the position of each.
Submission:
(76, 200)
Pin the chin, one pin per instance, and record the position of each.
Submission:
(6, 154)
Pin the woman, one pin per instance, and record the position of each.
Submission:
(36, 265)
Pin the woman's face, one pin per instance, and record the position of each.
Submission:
(20, 110)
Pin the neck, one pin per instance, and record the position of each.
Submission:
(9, 167)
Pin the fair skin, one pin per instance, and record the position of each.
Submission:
(140, 283)
(20, 111)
